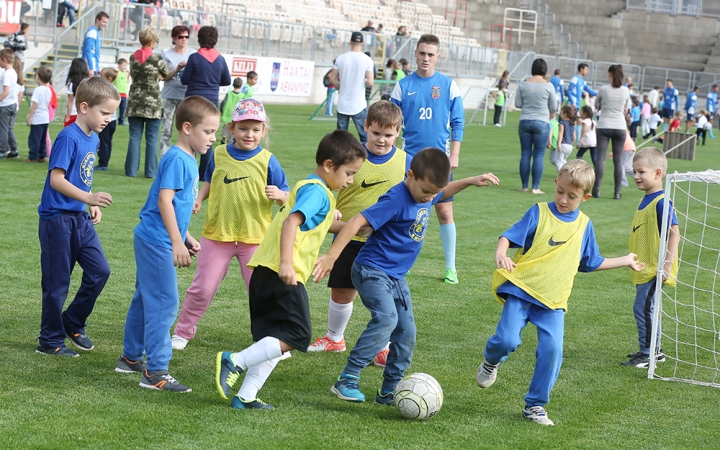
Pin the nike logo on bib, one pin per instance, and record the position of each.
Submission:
(552, 243)
(227, 180)
(367, 185)
(635, 228)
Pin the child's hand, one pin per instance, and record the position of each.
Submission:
(102, 199)
(95, 215)
(633, 263)
(504, 262)
(485, 179)
(192, 245)
(197, 206)
(287, 274)
(337, 215)
(323, 266)
(275, 193)
(181, 256)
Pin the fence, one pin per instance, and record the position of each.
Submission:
(694, 8)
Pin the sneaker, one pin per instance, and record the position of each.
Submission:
(226, 374)
(538, 415)
(179, 342)
(12, 155)
(346, 388)
(58, 351)
(387, 399)
(80, 340)
(125, 365)
(498, 125)
(486, 374)
(239, 403)
(639, 360)
(41, 160)
(101, 168)
(451, 276)
(381, 358)
(325, 344)
(161, 380)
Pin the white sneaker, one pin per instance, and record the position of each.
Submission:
(179, 342)
(486, 374)
(538, 415)
(498, 125)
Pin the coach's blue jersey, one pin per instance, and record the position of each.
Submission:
(690, 103)
(575, 90)
(559, 86)
(712, 102)
(671, 99)
(431, 108)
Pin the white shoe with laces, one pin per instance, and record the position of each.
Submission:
(179, 342)
(538, 415)
(486, 374)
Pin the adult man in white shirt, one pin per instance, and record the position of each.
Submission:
(351, 74)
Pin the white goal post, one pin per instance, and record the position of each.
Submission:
(686, 317)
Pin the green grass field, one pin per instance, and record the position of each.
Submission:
(51, 402)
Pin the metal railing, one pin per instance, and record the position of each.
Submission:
(695, 8)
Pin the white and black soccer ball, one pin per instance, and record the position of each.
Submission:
(418, 396)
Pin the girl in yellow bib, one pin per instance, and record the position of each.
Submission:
(554, 242)
(241, 182)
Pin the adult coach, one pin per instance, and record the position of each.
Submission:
(671, 103)
(432, 105)
(578, 85)
(91, 43)
(351, 74)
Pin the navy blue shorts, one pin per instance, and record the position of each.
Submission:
(667, 113)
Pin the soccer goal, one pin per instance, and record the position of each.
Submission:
(688, 314)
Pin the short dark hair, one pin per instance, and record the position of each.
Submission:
(433, 165)
(696, 88)
(194, 109)
(121, 61)
(340, 147)
(539, 67)
(24, 26)
(237, 83)
(616, 71)
(581, 66)
(557, 71)
(94, 91)
(251, 74)
(44, 74)
(179, 29)
(207, 37)
(101, 15)
(429, 39)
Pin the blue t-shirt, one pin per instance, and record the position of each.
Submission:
(74, 152)
(431, 108)
(177, 171)
(276, 175)
(690, 103)
(521, 235)
(312, 201)
(671, 99)
(711, 102)
(568, 136)
(658, 208)
(399, 225)
(635, 111)
(575, 90)
(559, 86)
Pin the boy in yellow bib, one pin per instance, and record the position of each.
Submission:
(279, 308)
(554, 241)
(650, 166)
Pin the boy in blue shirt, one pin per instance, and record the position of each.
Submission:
(399, 220)
(671, 103)
(554, 242)
(67, 234)
(162, 242)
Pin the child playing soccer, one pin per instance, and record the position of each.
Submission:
(650, 167)
(249, 88)
(67, 234)
(385, 167)
(121, 83)
(279, 309)
(242, 181)
(552, 237)
(39, 115)
(227, 107)
(162, 243)
(398, 220)
(566, 134)
(105, 149)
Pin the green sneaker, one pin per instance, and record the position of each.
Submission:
(451, 276)
(226, 374)
(239, 403)
(387, 399)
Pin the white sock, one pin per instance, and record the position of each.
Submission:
(263, 350)
(338, 318)
(255, 379)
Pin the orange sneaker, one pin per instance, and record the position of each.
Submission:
(381, 358)
(325, 344)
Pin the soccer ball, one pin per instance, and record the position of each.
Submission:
(418, 396)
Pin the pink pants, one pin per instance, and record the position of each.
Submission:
(212, 266)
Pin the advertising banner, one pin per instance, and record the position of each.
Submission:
(10, 16)
(276, 76)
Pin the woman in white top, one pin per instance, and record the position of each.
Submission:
(173, 91)
(613, 102)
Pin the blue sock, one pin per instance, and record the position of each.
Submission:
(665, 126)
(448, 236)
(712, 136)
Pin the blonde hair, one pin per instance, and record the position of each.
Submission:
(147, 36)
(580, 174)
(109, 73)
(653, 157)
(265, 140)
(95, 91)
(8, 55)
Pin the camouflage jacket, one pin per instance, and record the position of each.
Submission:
(144, 97)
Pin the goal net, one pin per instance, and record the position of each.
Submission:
(687, 315)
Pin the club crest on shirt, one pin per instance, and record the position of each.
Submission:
(86, 168)
(435, 92)
(417, 229)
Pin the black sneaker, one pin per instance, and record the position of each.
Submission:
(58, 351)
(659, 357)
(161, 380)
(125, 365)
(12, 155)
(639, 360)
(80, 340)
(387, 399)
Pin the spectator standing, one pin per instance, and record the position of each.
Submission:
(91, 43)
(18, 42)
(352, 73)
(173, 91)
(369, 27)
(654, 96)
